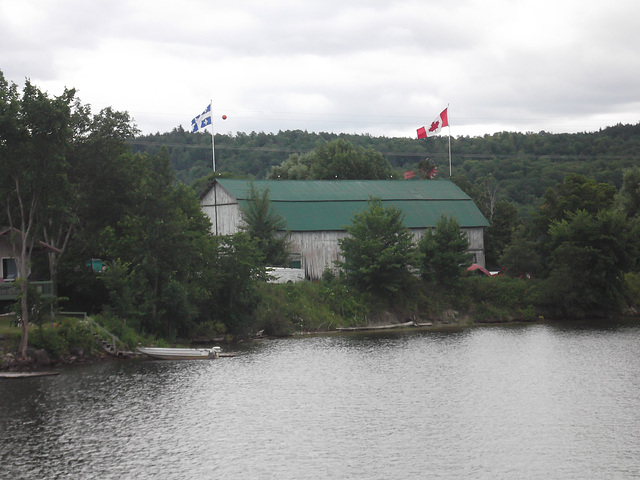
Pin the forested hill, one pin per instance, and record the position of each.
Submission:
(522, 165)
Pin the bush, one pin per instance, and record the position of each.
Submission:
(49, 339)
(209, 330)
(127, 335)
(309, 306)
(77, 336)
(504, 298)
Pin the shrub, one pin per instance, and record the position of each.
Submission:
(49, 339)
(77, 336)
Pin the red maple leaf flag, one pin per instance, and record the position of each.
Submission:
(435, 127)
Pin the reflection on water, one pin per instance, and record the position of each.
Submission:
(532, 401)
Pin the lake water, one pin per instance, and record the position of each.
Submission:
(512, 402)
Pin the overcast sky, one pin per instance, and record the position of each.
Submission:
(381, 67)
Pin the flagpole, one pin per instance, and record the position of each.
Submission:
(213, 147)
(449, 125)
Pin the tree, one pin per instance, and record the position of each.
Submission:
(266, 227)
(427, 170)
(378, 251)
(34, 138)
(521, 257)
(238, 266)
(159, 251)
(589, 255)
(296, 167)
(335, 160)
(444, 253)
(498, 236)
(629, 195)
(576, 192)
(94, 148)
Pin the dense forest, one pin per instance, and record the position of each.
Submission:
(564, 213)
(521, 165)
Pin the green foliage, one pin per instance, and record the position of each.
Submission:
(501, 298)
(62, 337)
(309, 307)
(70, 177)
(39, 309)
(266, 227)
(159, 255)
(498, 236)
(378, 251)
(238, 269)
(35, 133)
(49, 339)
(576, 192)
(629, 195)
(335, 160)
(296, 167)
(444, 253)
(77, 336)
(632, 282)
(589, 255)
(129, 336)
(521, 258)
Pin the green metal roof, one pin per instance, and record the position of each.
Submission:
(316, 205)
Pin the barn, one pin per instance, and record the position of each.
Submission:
(317, 211)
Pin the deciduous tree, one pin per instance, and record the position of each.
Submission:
(35, 136)
(590, 253)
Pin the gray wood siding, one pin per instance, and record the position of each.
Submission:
(318, 249)
(474, 235)
(223, 211)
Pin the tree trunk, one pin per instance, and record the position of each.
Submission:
(24, 321)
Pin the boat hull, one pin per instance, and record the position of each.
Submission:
(180, 353)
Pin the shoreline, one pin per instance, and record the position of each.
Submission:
(16, 367)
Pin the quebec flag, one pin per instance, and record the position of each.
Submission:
(201, 120)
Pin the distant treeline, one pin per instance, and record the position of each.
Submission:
(523, 165)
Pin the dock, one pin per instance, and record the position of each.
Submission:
(382, 327)
(27, 374)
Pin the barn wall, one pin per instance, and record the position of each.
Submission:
(225, 218)
(319, 250)
(476, 241)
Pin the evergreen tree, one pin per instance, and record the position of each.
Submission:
(444, 253)
(378, 251)
(266, 227)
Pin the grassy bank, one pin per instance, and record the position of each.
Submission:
(312, 307)
(326, 305)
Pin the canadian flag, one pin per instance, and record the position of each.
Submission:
(436, 125)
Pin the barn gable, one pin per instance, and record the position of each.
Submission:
(317, 211)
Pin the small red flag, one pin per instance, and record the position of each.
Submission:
(408, 175)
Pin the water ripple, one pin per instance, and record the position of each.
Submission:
(508, 402)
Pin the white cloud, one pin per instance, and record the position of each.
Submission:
(365, 66)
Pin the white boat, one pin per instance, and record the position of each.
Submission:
(180, 353)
